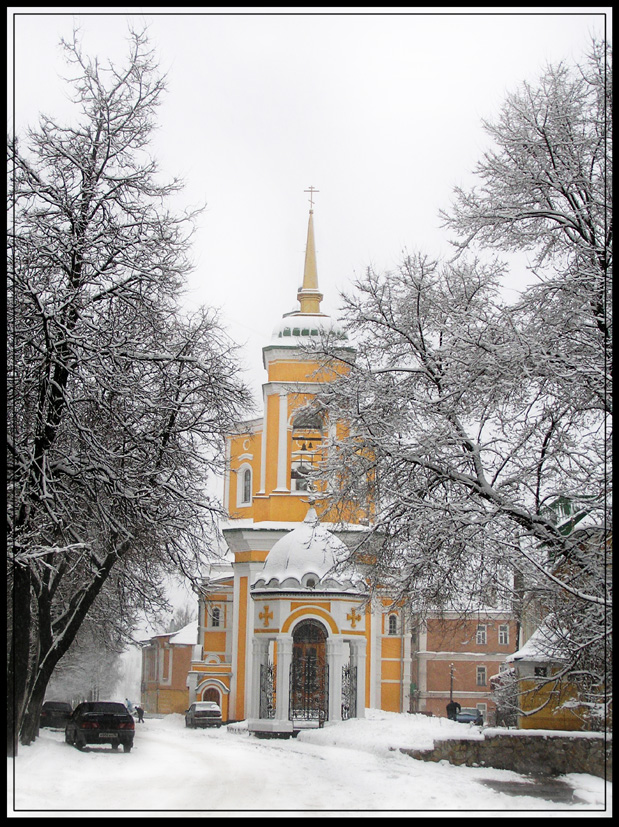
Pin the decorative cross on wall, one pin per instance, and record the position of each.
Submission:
(266, 615)
(311, 191)
(353, 617)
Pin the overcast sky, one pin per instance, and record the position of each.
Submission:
(380, 111)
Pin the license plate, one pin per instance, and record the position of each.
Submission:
(108, 736)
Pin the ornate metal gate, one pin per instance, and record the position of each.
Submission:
(309, 675)
(349, 692)
(267, 690)
(309, 689)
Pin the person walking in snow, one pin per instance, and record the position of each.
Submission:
(129, 705)
(140, 712)
(453, 707)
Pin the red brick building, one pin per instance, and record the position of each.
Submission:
(452, 655)
(166, 659)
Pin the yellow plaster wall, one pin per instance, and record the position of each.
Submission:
(390, 670)
(169, 701)
(390, 697)
(551, 716)
(215, 641)
(392, 647)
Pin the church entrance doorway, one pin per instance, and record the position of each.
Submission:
(309, 675)
(211, 695)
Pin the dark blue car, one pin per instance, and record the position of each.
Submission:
(469, 715)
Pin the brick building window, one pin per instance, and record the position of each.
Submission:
(481, 676)
(393, 625)
(503, 635)
(541, 671)
(481, 636)
(215, 616)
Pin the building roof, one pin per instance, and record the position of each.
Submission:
(188, 635)
(308, 553)
(543, 645)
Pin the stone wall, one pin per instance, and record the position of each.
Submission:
(537, 754)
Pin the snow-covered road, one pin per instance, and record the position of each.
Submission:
(349, 767)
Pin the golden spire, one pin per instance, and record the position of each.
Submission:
(309, 295)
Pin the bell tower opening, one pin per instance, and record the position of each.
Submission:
(307, 450)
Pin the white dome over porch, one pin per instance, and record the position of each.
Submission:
(308, 558)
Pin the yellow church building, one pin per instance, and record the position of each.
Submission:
(286, 637)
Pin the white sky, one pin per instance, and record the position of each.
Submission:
(380, 110)
(354, 767)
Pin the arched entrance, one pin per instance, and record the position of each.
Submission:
(212, 694)
(309, 675)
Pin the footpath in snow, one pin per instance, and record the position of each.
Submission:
(351, 767)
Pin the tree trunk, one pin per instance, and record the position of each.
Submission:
(58, 643)
(19, 656)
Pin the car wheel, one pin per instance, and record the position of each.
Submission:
(127, 747)
(80, 744)
(115, 746)
(68, 738)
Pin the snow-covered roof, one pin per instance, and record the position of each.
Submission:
(297, 328)
(541, 647)
(187, 635)
(284, 525)
(309, 552)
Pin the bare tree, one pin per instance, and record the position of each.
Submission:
(471, 418)
(117, 401)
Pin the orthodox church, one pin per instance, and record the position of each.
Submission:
(286, 637)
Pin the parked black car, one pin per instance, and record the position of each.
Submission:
(100, 722)
(55, 714)
(469, 715)
(203, 713)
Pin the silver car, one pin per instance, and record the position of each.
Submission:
(203, 714)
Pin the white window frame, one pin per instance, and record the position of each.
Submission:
(392, 619)
(220, 615)
(482, 671)
(504, 634)
(240, 485)
(481, 635)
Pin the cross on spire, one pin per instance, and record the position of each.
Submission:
(311, 191)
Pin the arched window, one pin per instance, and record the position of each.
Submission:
(393, 625)
(246, 485)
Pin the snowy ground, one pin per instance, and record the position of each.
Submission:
(348, 768)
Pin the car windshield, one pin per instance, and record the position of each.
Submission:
(56, 705)
(467, 711)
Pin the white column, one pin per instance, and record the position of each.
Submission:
(357, 658)
(263, 452)
(260, 654)
(335, 659)
(282, 444)
(284, 660)
(192, 683)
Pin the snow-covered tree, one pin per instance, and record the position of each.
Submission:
(181, 617)
(471, 417)
(117, 400)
